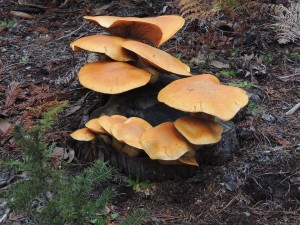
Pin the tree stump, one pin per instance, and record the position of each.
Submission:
(143, 103)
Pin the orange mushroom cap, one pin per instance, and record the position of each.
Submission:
(130, 131)
(108, 45)
(94, 125)
(204, 93)
(164, 142)
(199, 131)
(188, 160)
(83, 134)
(112, 77)
(157, 30)
(158, 58)
(108, 121)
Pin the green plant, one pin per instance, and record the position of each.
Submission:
(136, 184)
(136, 218)
(234, 52)
(253, 109)
(227, 73)
(48, 196)
(211, 56)
(268, 59)
(7, 23)
(24, 59)
(178, 56)
(243, 84)
(293, 56)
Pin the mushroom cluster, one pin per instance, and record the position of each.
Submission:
(130, 64)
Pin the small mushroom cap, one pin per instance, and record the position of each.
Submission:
(157, 30)
(112, 77)
(158, 58)
(108, 121)
(164, 142)
(204, 93)
(130, 131)
(199, 131)
(83, 134)
(108, 45)
(94, 125)
(188, 160)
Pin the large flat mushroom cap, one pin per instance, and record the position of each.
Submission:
(83, 134)
(204, 93)
(158, 58)
(130, 131)
(112, 77)
(164, 142)
(108, 45)
(94, 125)
(108, 121)
(156, 30)
(199, 131)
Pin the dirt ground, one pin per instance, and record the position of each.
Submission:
(259, 185)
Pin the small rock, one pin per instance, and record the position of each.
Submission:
(280, 119)
(268, 117)
(246, 214)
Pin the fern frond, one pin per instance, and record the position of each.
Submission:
(288, 25)
(194, 9)
(267, 9)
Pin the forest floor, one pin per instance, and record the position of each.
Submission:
(259, 185)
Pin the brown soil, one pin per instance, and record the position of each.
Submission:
(260, 185)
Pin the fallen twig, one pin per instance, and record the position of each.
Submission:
(289, 76)
(292, 110)
(69, 34)
(228, 204)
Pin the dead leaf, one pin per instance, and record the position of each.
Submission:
(12, 93)
(21, 15)
(5, 126)
(219, 64)
(198, 61)
(60, 154)
(102, 9)
(41, 29)
(72, 110)
(71, 154)
(2, 28)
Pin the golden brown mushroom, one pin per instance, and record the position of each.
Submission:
(130, 131)
(100, 132)
(108, 121)
(157, 58)
(199, 131)
(157, 30)
(112, 77)
(108, 45)
(83, 134)
(204, 93)
(94, 125)
(164, 142)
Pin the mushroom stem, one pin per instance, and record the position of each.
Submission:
(130, 151)
(117, 144)
(154, 74)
